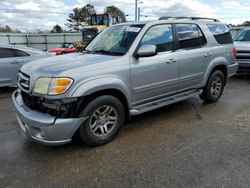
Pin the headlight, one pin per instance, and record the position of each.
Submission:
(52, 86)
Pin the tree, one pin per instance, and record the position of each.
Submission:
(57, 29)
(6, 29)
(74, 19)
(246, 23)
(80, 17)
(116, 13)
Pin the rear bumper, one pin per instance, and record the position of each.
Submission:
(244, 66)
(232, 69)
(42, 127)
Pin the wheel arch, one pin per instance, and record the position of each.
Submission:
(217, 65)
(104, 86)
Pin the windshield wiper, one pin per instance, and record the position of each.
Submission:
(108, 52)
(86, 51)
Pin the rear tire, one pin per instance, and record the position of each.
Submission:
(106, 116)
(214, 87)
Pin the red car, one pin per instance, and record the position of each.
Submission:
(65, 49)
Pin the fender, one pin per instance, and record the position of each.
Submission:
(215, 62)
(100, 84)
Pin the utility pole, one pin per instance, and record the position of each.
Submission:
(136, 1)
(139, 13)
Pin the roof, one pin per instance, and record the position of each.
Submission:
(135, 23)
(19, 47)
(188, 18)
(167, 19)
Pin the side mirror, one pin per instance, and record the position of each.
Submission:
(146, 51)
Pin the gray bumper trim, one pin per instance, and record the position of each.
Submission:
(43, 127)
(232, 69)
(244, 66)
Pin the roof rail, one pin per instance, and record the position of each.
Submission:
(191, 18)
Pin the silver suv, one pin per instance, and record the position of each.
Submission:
(128, 69)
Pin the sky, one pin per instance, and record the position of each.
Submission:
(44, 14)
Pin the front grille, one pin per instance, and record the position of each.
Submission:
(243, 55)
(35, 103)
(242, 58)
(24, 81)
(53, 107)
(243, 51)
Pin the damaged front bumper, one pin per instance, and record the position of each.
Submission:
(42, 127)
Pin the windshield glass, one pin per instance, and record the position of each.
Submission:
(114, 40)
(99, 19)
(243, 36)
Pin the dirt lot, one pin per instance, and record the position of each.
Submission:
(188, 144)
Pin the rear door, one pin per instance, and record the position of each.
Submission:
(194, 54)
(10, 62)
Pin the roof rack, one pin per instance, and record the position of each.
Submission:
(191, 18)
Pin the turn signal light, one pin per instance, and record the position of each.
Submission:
(235, 53)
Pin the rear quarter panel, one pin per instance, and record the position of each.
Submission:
(222, 54)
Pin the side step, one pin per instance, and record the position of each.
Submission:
(164, 102)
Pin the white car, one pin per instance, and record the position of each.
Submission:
(12, 57)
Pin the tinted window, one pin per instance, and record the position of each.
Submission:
(243, 36)
(6, 52)
(221, 33)
(161, 36)
(190, 36)
(19, 53)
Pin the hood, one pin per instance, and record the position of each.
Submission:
(242, 45)
(67, 64)
(56, 49)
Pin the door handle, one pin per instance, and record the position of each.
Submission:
(170, 61)
(16, 62)
(207, 54)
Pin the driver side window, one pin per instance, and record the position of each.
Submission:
(71, 46)
(161, 36)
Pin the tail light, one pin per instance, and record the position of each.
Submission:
(234, 53)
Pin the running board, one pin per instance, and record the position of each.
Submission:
(163, 102)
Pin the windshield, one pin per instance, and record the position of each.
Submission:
(243, 36)
(114, 40)
(100, 19)
(67, 45)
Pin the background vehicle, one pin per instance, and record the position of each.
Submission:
(65, 49)
(128, 69)
(98, 22)
(242, 44)
(12, 58)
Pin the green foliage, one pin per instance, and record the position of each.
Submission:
(57, 29)
(116, 13)
(247, 23)
(6, 29)
(80, 17)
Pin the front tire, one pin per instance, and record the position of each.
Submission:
(214, 87)
(106, 116)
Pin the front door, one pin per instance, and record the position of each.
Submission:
(9, 66)
(156, 76)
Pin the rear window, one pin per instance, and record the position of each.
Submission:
(19, 53)
(221, 33)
